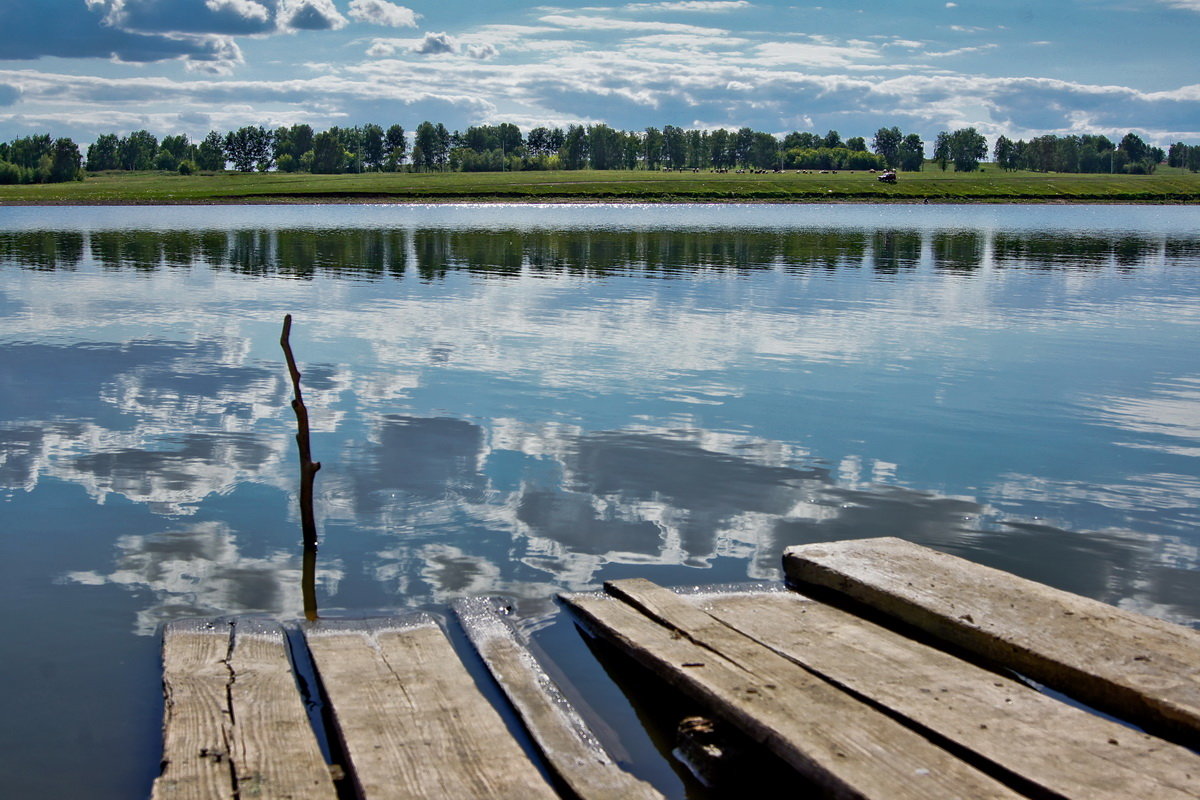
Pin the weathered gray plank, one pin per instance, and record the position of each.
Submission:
(412, 720)
(274, 750)
(1143, 669)
(195, 762)
(850, 749)
(233, 722)
(1062, 749)
(561, 735)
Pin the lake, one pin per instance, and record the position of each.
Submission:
(521, 400)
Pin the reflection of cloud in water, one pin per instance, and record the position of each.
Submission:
(1171, 413)
(198, 570)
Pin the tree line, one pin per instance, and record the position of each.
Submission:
(1130, 156)
(503, 147)
(40, 159)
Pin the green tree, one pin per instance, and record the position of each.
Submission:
(67, 164)
(1004, 152)
(887, 144)
(910, 156)
(941, 150)
(857, 143)
(674, 147)
(249, 147)
(396, 144)
(373, 148)
(967, 147)
(137, 150)
(328, 155)
(574, 151)
(210, 155)
(652, 145)
(104, 153)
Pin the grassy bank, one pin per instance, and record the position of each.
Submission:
(1166, 186)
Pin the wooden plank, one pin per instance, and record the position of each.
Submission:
(233, 722)
(412, 720)
(561, 735)
(840, 743)
(1062, 749)
(1136, 667)
(274, 751)
(195, 762)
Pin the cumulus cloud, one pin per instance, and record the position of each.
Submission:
(308, 15)
(226, 17)
(482, 52)
(436, 44)
(381, 12)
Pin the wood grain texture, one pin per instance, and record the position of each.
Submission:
(843, 745)
(1062, 749)
(275, 753)
(196, 720)
(411, 718)
(233, 722)
(1136, 667)
(563, 738)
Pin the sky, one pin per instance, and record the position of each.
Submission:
(1020, 68)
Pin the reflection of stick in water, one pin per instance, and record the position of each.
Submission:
(308, 471)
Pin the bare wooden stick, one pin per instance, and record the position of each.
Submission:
(308, 467)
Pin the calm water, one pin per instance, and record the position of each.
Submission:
(522, 400)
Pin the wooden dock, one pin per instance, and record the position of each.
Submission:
(885, 670)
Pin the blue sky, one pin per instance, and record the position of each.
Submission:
(1021, 68)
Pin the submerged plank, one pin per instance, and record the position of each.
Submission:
(840, 743)
(561, 735)
(196, 721)
(274, 750)
(233, 723)
(411, 718)
(1061, 749)
(1143, 669)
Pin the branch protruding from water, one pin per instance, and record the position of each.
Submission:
(308, 467)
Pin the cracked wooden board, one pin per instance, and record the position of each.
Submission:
(1144, 670)
(233, 722)
(411, 718)
(562, 736)
(840, 743)
(1063, 750)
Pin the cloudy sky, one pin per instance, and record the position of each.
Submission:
(1019, 67)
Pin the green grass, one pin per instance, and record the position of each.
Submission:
(1166, 186)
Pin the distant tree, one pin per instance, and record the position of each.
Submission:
(718, 148)
(887, 144)
(210, 155)
(764, 151)
(674, 147)
(832, 139)
(574, 152)
(910, 156)
(538, 142)
(248, 148)
(373, 148)
(104, 153)
(67, 163)
(652, 144)
(178, 145)
(328, 155)
(966, 147)
(510, 139)
(743, 140)
(396, 144)
(137, 150)
(1133, 147)
(856, 143)
(1177, 155)
(941, 150)
(604, 147)
(1004, 153)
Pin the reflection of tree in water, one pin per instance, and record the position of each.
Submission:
(433, 252)
(198, 570)
(42, 250)
(892, 251)
(960, 251)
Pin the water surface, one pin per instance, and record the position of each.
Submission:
(521, 400)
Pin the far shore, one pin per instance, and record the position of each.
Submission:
(1166, 187)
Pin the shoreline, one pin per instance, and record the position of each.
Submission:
(286, 200)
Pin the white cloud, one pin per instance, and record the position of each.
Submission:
(381, 12)
(482, 52)
(586, 23)
(703, 6)
(436, 44)
(1186, 5)
(309, 15)
(250, 9)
